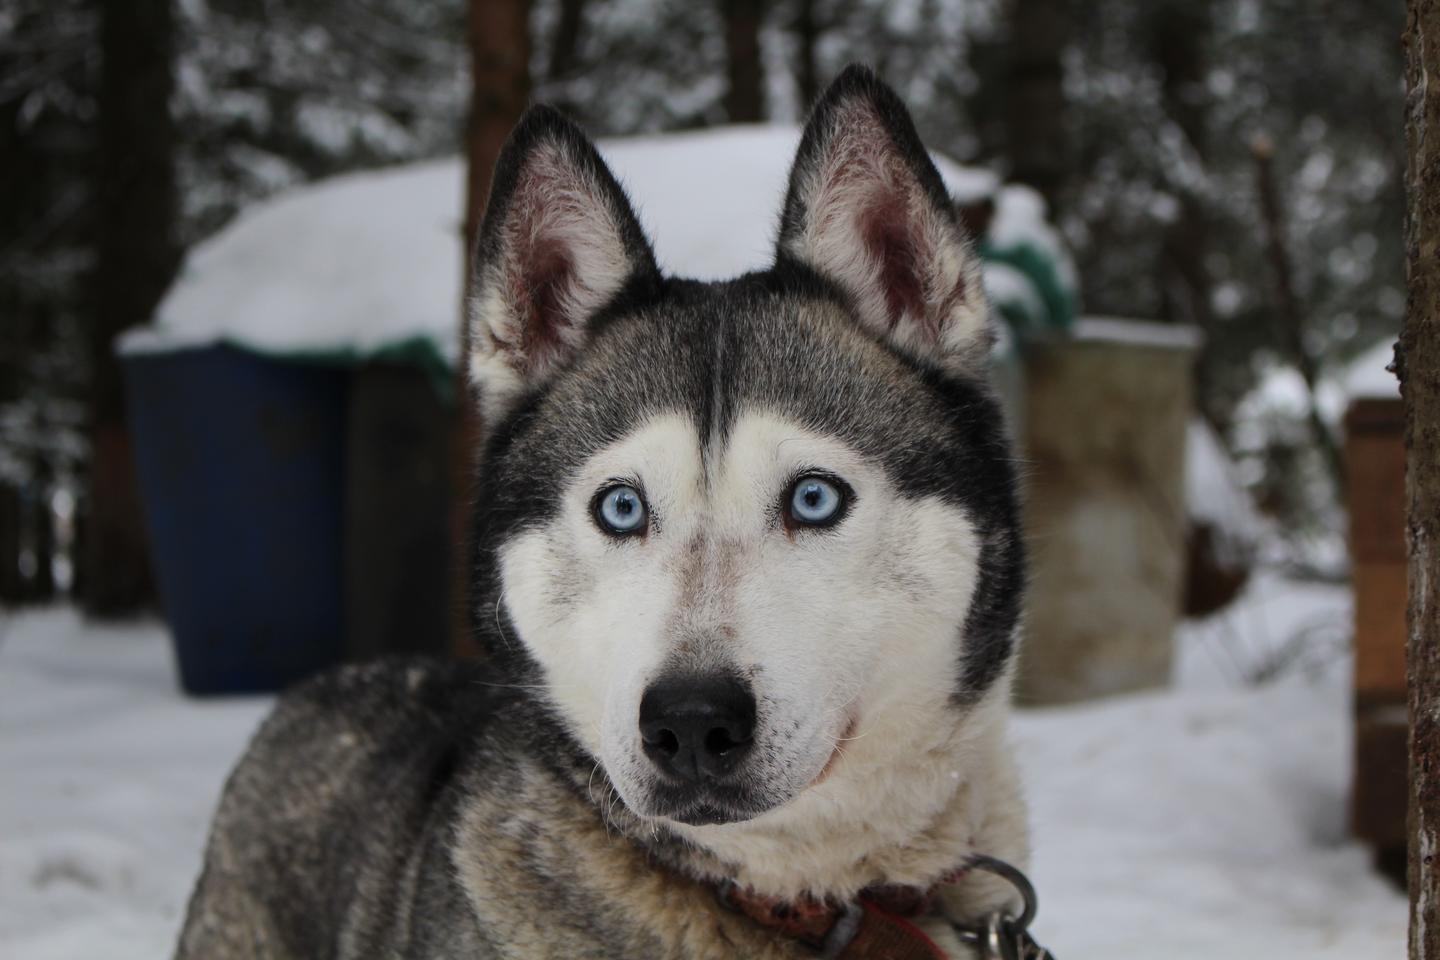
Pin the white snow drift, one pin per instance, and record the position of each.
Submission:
(1200, 823)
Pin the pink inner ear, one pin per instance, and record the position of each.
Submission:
(897, 242)
(538, 288)
(541, 272)
(890, 238)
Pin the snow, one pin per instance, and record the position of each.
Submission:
(1281, 392)
(1206, 821)
(1169, 336)
(1020, 220)
(363, 261)
(356, 262)
(109, 779)
(1216, 496)
(1368, 376)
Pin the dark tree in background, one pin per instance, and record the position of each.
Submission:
(745, 68)
(565, 46)
(1039, 145)
(47, 145)
(499, 32)
(282, 92)
(267, 96)
(137, 255)
(1153, 105)
(806, 27)
(1179, 35)
(1419, 368)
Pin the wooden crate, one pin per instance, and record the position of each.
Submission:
(1375, 466)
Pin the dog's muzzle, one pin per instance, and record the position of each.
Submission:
(697, 731)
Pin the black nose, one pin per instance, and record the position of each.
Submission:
(697, 728)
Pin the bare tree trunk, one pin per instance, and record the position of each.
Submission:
(565, 41)
(1418, 364)
(42, 585)
(499, 92)
(500, 66)
(137, 257)
(1039, 147)
(745, 95)
(12, 584)
(1179, 35)
(807, 37)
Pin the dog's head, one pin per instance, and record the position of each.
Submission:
(736, 533)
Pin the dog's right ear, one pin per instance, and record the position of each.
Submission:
(559, 241)
(867, 209)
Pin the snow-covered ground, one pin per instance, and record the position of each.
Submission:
(1203, 822)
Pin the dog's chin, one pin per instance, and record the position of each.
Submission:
(704, 807)
(705, 815)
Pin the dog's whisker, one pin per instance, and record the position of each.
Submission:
(499, 626)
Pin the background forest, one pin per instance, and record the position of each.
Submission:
(1211, 695)
(1233, 164)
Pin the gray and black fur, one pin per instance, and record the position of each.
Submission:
(426, 809)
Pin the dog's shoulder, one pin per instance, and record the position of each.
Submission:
(346, 790)
(388, 695)
(403, 725)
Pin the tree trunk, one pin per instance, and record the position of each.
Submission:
(1039, 142)
(1418, 365)
(499, 92)
(12, 585)
(137, 257)
(500, 67)
(745, 69)
(807, 70)
(1179, 35)
(565, 42)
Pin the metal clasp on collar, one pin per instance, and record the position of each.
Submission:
(847, 925)
(1000, 936)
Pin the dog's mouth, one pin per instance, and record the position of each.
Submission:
(837, 752)
(705, 814)
(712, 804)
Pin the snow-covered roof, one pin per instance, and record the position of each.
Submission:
(359, 263)
(1368, 376)
(1169, 336)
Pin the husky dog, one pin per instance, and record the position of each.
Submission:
(747, 574)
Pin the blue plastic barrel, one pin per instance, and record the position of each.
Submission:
(240, 461)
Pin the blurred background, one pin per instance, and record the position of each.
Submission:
(232, 239)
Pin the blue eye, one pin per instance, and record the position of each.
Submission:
(815, 502)
(620, 510)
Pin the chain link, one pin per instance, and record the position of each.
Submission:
(1003, 937)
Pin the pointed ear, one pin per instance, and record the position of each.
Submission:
(558, 243)
(867, 209)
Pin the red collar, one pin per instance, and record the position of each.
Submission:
(877, 926)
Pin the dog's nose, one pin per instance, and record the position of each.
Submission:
(697, 728)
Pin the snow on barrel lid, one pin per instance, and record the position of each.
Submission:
(358, 264)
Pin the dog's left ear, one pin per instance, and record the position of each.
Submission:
(867, 209)
(558, 243)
